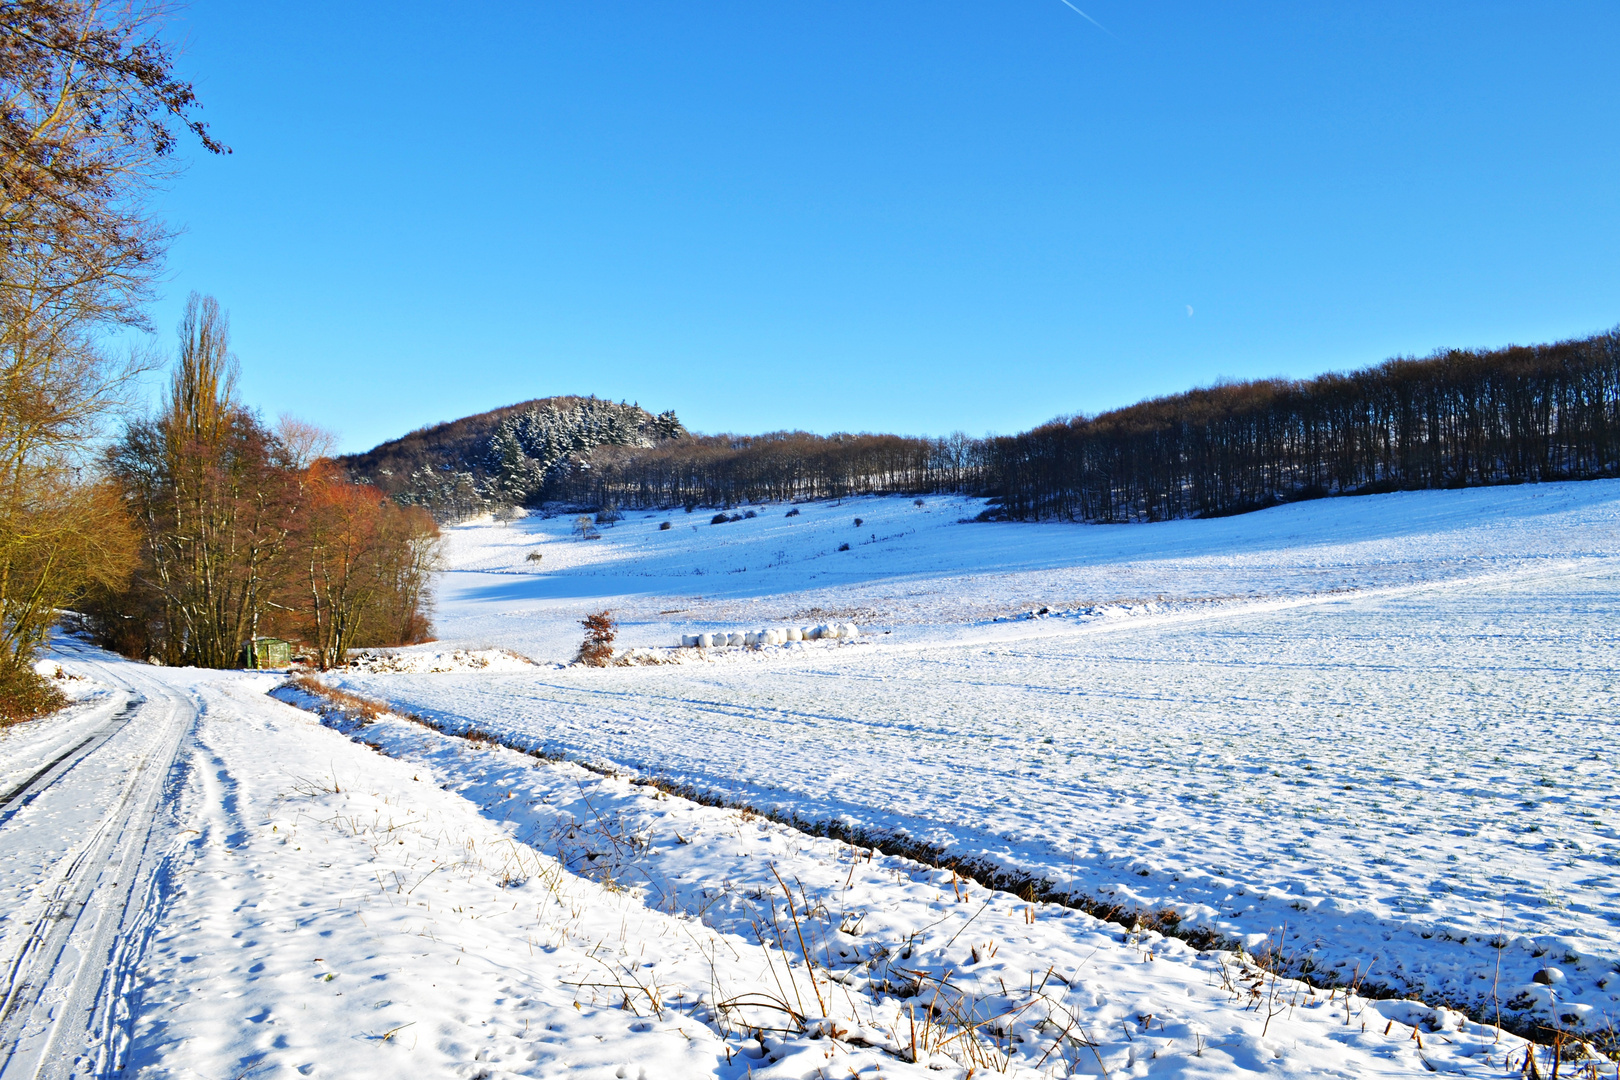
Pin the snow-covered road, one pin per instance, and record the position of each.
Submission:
(84, 824)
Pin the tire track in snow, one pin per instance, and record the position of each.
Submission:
(48, 774)
(59, 1013)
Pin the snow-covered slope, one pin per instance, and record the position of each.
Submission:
(922, 573)
(1385, 722)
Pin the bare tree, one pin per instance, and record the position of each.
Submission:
(89, 105)
(88, 102)
(216, 496)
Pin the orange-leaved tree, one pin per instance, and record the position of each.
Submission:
(597, 648)
(366, 562)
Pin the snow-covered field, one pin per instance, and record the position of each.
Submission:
(346, 900)
(1386, 723)
(1372, 735)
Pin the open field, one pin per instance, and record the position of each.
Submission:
(1370, 740)
(362, 896)
(1384, 722)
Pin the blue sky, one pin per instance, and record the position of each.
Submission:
(913, 217)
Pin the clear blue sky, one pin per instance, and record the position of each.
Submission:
(913, 217)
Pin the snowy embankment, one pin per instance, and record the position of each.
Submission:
(1384, 723)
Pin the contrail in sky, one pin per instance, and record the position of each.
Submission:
(1088, 18)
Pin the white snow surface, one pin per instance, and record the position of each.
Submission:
(1374, 734)
(1385, 723)
(344, 900)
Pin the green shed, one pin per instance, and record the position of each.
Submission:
(267, 652)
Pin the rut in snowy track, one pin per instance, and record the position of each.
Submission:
(82, 838)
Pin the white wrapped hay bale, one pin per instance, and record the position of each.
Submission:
(795, 634)
(705, 641)
(849, 631)
(738, 638)
(752, 639)
(688, 640)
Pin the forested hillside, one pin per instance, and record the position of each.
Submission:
(1453, 419)
(456, 445)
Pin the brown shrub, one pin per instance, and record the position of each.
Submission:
(25, 694)
(597, 648)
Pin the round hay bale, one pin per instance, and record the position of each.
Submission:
(688, 640)
(795, 634)
(705, 641)
(850, 630)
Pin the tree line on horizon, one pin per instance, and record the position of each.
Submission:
(1457, 418)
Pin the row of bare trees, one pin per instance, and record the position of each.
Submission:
(201, 527)
(246, 531)
(1454, 419)
(728, 470)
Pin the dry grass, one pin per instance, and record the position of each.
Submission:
(351, 710)
(828, 614)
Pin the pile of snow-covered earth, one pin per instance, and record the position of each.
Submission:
(437, 661)
(1383, 723)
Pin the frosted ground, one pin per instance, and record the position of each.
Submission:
(1386, 723)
